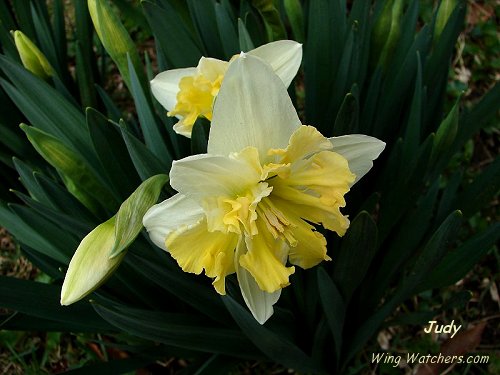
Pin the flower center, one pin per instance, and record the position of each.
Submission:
(241, 213)
(195, 97)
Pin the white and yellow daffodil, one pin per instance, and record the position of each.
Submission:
(248, 205)
(189, 93)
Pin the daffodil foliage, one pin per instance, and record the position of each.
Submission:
(250, 204)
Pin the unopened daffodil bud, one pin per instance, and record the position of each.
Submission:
(443, 14)
(103, 249)
(386, 32)
(32, 58)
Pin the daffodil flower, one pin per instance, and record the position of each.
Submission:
(189, 93)
(250, 205)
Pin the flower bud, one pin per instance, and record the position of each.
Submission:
(32, 58)
(386, 32)
(443, 14)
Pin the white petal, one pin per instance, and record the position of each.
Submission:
(165, 86)
(359, 150)
(204, 175)
(252, 109)
(212, 68)
(284, 56)
(259, 303)
(167, 216)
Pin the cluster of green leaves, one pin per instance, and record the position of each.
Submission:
(370, 68)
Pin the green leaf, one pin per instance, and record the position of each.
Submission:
(6, 17)
(175, 39)
(245, 40)
(295, 15)
(334, 308)
(65, 243)
(447, 201)
(179, 330)
(23, 322)
(457, 263)
(25, 234)
(199, 136)
(446, 133)
(22, 10)
(370, 106)
(340, 83)
(227, 30)
(62, 200)
(271, 17)
(356, 253)
(397, 85)
(145, 162)
(204, 19)
(403, 190)
(45, 108)
(481, 191)
(44, 36)
(272, 345)
(129, 217)
(443, 14)
(80, 180)
(439, 60)
(320, 61)
(431, 254)
(165, 272)
(113, 111)
(59, 31)
(42, 301)
(28, 180)
(472, 121)
(347, 117)
(405, 240)
(149, 125)
(85, 79)
(112, 153)
(386, 31)
(64, 222)
(414, 123)
(93, 253)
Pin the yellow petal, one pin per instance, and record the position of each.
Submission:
(165, 86)
(305, 141)
(196, 249)
(259, 303)
(315, 189)
(263, 262)
(309, 249)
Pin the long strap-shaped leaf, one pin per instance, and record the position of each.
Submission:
(275, 347)
(42, 301)
(179, 330)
